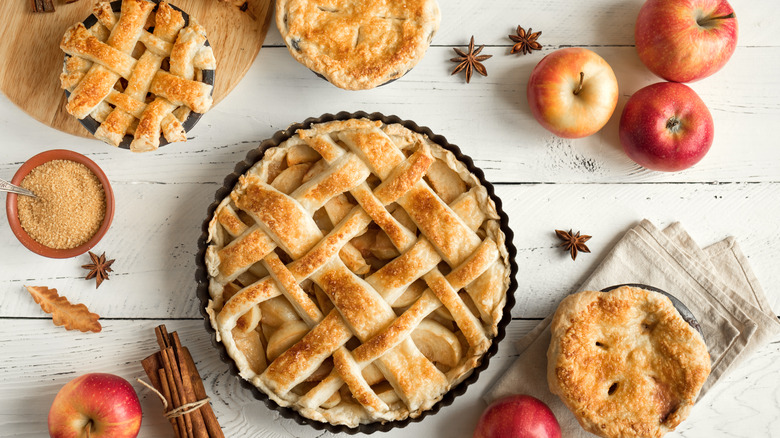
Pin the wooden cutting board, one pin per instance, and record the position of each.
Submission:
(32, 59)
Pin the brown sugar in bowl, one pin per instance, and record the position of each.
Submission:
(12, 209)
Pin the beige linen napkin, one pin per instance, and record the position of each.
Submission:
(715, 283)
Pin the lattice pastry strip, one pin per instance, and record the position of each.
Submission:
(303, 304)
(352, 153)
(95, 84)
(130, 105)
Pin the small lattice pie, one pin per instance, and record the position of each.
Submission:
(358, 44)
(133, 81)
(625, 362)
(357, 272)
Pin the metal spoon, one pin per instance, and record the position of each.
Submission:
(5, 186)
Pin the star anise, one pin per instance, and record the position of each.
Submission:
(470, 61)
(525, 42)
(573, 243)
(98, 269)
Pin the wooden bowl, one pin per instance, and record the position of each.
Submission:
(12, 211)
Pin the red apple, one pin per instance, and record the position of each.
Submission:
(666, 126)
(518, 416)
(104, 404)
(685, 40)
(572, 92)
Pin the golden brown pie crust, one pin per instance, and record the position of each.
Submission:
(344, 286)
(357, 45)
(625, 362)
(116, 72)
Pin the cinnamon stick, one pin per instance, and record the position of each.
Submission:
(214, 429)
(42, 5)
(185, 426)
(150, 365)
(162, 336)
(199, 428)
(166, 392)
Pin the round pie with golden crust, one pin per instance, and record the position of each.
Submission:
(139, 72)
(357, 44)
(357, 273)
(625, 362)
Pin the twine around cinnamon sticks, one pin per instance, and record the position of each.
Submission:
(173, 374)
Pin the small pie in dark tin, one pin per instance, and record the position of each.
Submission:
(358, 45)
(626, 362)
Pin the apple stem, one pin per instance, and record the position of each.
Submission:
(673, 124)
(710, 21)
(579, 87)
(88, 428)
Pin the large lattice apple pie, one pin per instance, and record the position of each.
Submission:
(357, 272)
(625, 362)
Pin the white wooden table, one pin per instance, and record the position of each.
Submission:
(545, 183)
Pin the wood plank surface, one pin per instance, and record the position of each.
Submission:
(30, 48)
(545, 183)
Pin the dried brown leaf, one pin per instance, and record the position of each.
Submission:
(71, 316)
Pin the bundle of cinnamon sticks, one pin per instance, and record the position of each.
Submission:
(173, 374)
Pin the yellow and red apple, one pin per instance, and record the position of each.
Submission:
(685, 40)
(666, 126)
(103, 404)
(572, 92)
